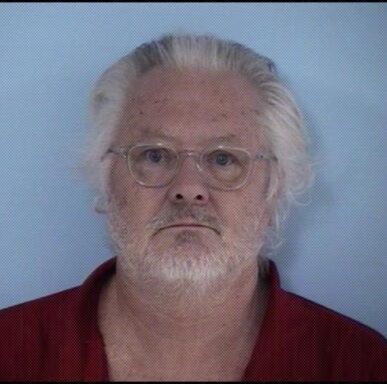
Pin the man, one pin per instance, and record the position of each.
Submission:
(197, 152)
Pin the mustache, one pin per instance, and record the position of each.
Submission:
(177, 212)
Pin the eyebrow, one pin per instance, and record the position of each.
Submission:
(149, 133)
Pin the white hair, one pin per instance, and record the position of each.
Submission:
(280, 120)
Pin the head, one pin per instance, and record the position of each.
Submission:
(191, 93)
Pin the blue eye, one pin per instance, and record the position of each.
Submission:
(153, 155)
(223, 158)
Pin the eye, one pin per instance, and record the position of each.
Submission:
(153, 155)
(222, 158)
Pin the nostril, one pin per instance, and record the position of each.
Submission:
(179, 196)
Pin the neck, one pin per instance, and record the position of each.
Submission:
(181, 327)
(171, 311)
(191, 329)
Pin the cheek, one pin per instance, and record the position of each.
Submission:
(119, 186)
(249, 208)
(236, 210)
(136, 205)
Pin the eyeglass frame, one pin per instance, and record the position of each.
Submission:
(197, 155)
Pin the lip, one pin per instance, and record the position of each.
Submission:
(189, 225)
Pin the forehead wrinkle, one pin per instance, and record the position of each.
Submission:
(149, 133)
(144, 133)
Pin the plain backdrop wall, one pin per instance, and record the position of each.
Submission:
(333, 57)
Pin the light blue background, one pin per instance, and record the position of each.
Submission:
(333, 56)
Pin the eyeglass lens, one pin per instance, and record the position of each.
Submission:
(155, 165)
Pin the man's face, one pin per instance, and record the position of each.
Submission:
(188, 110)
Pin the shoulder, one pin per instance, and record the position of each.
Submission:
(50, 338)
(348, 347)
(301, 340)
(325, 320)
(29, 330)
(40, 309)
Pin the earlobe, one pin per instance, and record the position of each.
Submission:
(100, 204)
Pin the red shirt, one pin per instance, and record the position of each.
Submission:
(57, 338)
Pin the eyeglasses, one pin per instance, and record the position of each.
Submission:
(156, 165)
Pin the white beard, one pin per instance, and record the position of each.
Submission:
(185, 264)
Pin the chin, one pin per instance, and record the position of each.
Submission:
(187, 260)
(185, 240)
(197, 266)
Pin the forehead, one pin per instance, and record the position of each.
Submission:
(191, 106)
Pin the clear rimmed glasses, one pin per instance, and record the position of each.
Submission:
(222, 167)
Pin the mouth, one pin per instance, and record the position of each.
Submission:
(189, 225)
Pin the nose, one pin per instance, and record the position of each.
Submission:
(188, 187)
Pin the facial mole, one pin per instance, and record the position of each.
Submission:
(122, 202)
(254, 110)
(138, 101)
(100, 98)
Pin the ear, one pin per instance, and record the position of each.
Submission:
(100, 204)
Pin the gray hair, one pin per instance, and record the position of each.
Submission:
(281, 120)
